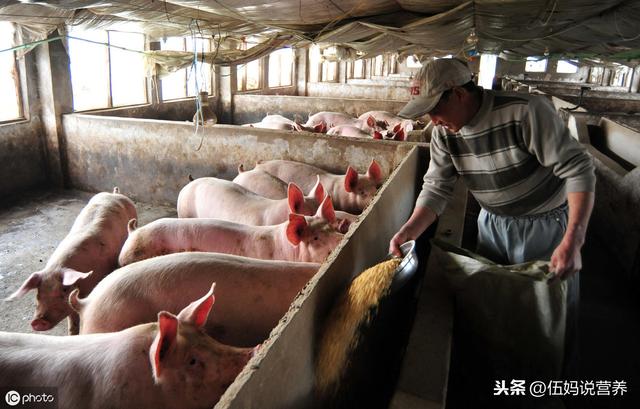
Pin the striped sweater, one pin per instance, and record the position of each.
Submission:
(516, 156)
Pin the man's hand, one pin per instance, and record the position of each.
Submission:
(566, 259)
(420, 220)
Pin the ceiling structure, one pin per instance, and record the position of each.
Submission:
(603, 29)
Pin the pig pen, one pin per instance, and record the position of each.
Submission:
(31, 226)
(151, 160)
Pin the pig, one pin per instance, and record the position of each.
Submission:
(299, 239)
(88, 253)
(354, 131)
(390, 119)
(334, 119)
(170, 363)
(253, 294)
(350, 192)
(261, 183)
(286, 124)
(222, 199)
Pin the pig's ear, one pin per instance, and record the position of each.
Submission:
(350, 180)
(399, 136)
(371, 121)
(71, 276)
(374, 172)
(75, 302)
(319, 127)
(295, 228)
(198, 311)
(132, 225)
(165, 339)
(377, 135)
(343, 226)
(318, 191)
(295, 198)
(31, 283)
(326, 210)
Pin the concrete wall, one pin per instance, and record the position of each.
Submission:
(362, 88)
(151, 160)
(21, 145)
(617, 202)
(289, 351)
(252, 108)
(179, 110)
(21, 157)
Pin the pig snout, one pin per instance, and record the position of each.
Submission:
(41, 324)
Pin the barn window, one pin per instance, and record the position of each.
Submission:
(249, 74)
(619, 76)
(378, 65)
(413, 62)
(567, 66)
(393, 64)
(89, 69)
(595, 75)
(281, 68)
(104, 76)
(10, 103)
(200, 73)
(356, 68)
(315, 61)
(534, 64)
(174, 85)
(329, 67)
(128, 85)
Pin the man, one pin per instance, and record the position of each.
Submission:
(516, 157)
(519, 161)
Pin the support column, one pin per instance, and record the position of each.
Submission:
(227, 78)
(55, 99)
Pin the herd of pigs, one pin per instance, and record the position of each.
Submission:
(140, 297)
(372, 124)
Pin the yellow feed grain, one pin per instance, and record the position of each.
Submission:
(341, 331)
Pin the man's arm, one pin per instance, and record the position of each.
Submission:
(420, 220)
(566, 259)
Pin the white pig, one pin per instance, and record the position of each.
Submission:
(88, 253)
(261, 183)
(350, 192)
(353, 131)
(333, 119)
(222, 199)
(170, 363)
(302, 238)
(253, 294)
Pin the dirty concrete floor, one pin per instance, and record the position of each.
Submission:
(31, 226)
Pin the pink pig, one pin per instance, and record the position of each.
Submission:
(391, 120)
(300, 239)
(88, 253)
(170, 363)
(222, 199)
(353, 131)
(334, 119)
(253, 294)
(261, 183)
(350, 192)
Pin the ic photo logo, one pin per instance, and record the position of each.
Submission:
(12, 398)
(30, 397)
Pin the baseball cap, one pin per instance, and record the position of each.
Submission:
(436, 77)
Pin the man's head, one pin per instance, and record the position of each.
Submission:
(447, 94)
